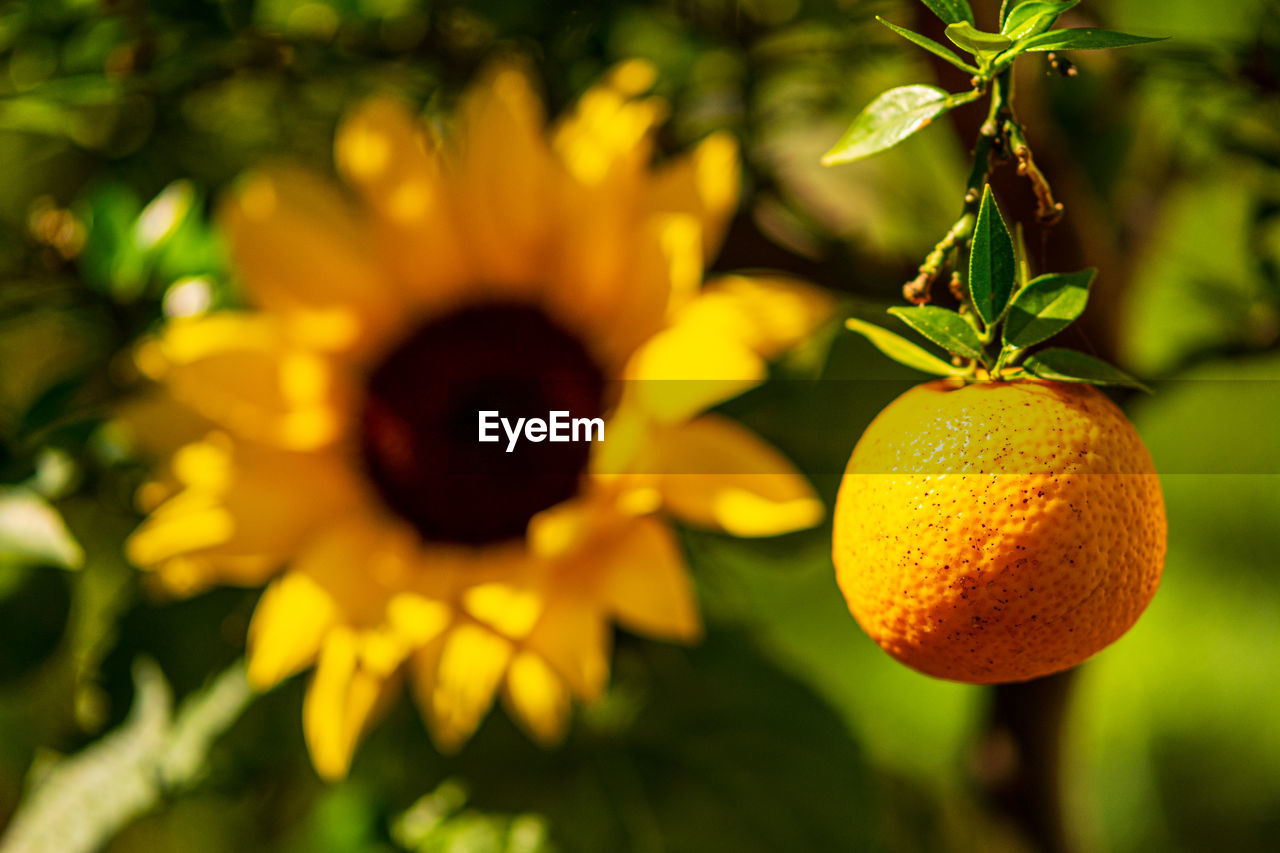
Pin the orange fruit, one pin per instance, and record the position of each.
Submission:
(998, 531)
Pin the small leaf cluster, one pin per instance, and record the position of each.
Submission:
(1025, 27)
(1004, 313)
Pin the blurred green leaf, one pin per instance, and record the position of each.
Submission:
(52, 405)
(900, 349)
(1083, 39)
(1196, 290)
(888, 120)
(991, 263)
(944, 327)
(33, 533)
(1182, 709)
(112, 262)
(439, 823)
(1046, 306)
(1064, 365)
(930, 45)
(710, 748)
(127, 244)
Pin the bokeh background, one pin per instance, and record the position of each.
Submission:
(122, 120)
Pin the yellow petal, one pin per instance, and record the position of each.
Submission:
(416, 618)
(240, 500)
(187, 575)
(718, 341)
(656, 262)
(305, 254)
(704, 183)
(340, 700)
(714, 473)
(560, 529)
(617, 261)
(609, 135)
(769, 314)
(455, 683)
(238, 371)
(573, 637)
(180, 526)
(645, 584)
(537, 699)
(681, 371)
(388, 155)
(605, 146)
(509, 609)
(505, 181)
(349, 558)
(288, 628)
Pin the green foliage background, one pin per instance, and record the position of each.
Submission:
(787, 729)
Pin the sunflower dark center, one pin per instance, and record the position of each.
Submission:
(420, 423)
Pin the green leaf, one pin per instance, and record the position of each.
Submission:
(1033, 17)
(1083, 39)
(1065, 365)
(930, 45)
(888, 120)
(945, 328)
(900, 349)
(1046, 306)
(1006, 6)
(975, 41)
(111, 261)
(951, 11)
(33, 533)
(991, 267)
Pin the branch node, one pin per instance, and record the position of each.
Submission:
(1048, 210)
(917, 290)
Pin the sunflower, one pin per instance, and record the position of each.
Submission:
(322, 442)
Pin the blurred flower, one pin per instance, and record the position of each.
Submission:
(324, 443)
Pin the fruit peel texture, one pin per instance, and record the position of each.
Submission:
(999, 532)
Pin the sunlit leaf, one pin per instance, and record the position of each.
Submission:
(1033, 17)
(944, 327)
(950, 11)
(163, 215)
(900, 349)
(1046, 306)
(991, 265)
(126, 773)
(975, 41)
(1064, 365)
(888, 120)
(33, 533)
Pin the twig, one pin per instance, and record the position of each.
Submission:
(1048, 210)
